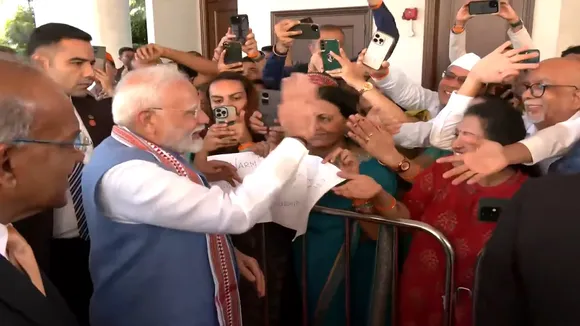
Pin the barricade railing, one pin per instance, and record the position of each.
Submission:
(385, 281)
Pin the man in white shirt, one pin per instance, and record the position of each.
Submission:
(65, 53)
(552, 103)
(157, 228)
(38, 149)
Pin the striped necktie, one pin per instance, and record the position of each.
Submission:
(77, 198)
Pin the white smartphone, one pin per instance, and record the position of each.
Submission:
(379, 50)
(225, 115)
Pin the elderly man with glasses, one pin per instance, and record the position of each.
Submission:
(39, 145)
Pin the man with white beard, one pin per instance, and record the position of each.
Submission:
(159, 255)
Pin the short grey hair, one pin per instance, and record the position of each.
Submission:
(16, 117)
(141, 89)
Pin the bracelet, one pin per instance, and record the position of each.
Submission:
(517, 24)
(245, 146)
(386, 209)
(278, 54)
(254, 54)
(458, 29)
(375, 7)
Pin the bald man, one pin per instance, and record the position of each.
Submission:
(38, 149)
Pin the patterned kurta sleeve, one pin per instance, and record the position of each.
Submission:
(422, 192)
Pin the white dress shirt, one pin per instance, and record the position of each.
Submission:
(65, 220)
(142, 192)
(3, 240)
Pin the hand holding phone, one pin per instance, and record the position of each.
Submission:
(326, 48)
(488, 7)
(309, 31)
(240, 25)
(100, 57)
(379, 50)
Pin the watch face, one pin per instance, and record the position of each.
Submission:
(404, 166)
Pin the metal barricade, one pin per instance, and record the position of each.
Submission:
(384, 270)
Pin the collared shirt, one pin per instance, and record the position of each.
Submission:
(3, 240)
(142, 192)
(65, 220)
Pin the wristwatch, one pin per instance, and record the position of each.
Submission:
(367, 86)
(457, 29)
(517, 24)
(403, 166)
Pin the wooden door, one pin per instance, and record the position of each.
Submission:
(215, 20)
(484, 33)
(356, 22)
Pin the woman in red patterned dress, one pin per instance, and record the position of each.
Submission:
(451, 209)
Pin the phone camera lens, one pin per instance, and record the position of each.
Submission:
(377, 36)
(493, 4)
(265, 95)
(314, 28)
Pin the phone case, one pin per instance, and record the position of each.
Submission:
(269, 101)
(483, 7)
(240, 25)
(233, 52)
(100, 56)
(328, 61)
(309, 31)
(225, 114)
(532, 60)
(490, 208)
(379, 50)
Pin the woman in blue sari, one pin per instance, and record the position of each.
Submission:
(322, 247)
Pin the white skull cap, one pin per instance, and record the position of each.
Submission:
(466, 61)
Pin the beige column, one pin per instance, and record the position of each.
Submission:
(107, 21)
(174, 24)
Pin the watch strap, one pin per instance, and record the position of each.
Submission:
(457, 29)
(517, 24)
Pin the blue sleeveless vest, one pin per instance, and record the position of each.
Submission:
(143, 275)
(569, 163)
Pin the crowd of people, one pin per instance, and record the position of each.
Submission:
(108, 217)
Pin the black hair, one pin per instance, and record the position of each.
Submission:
(267, 48)
(500, 121)
(571, 50)
(53, 33)
(186, 70)
(5, 49)
(249, 88)
(347, 102)
(125, 49)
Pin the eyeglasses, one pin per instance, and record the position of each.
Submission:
(193, 111)
(82, 143)
(451, 76)
(538, 89)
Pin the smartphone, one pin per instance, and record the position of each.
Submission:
(490, 209)
(379, 50)
(100, 57)
(309, 31)
(269, 101)
(483, 7)
(233, 52)
(532, 60)
(225, 115)
(307, 20)
(240, 25)
(328, 61)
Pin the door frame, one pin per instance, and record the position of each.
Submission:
(347, 11)
(435, 15)
(206, 48)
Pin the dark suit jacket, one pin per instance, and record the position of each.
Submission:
(530, 272)
(22, 305)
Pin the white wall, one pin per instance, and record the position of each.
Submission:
(107, 21)
(556, 25)
(174, 23)
(409, 52)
